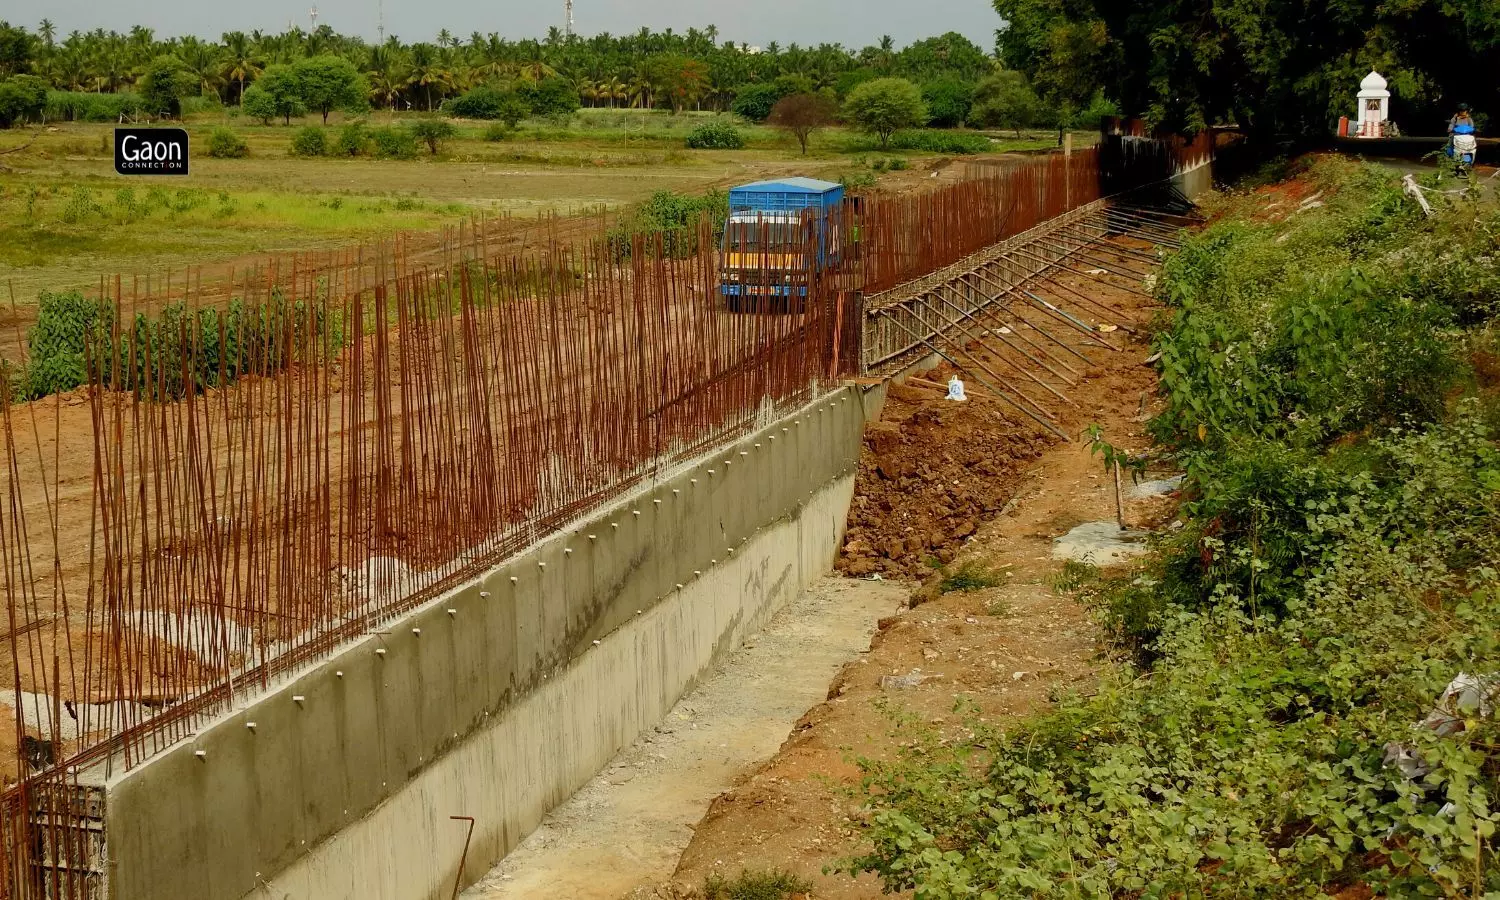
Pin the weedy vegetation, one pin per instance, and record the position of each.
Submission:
(1326, 385)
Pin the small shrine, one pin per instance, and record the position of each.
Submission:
(1374, 108)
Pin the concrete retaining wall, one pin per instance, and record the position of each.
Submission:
(496, 701)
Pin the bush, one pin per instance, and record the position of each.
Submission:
(353, 140)
(1092, 116)
(23, 98)
(309, 141)
(776, 885)
(499, 131)
(969, 577)
(551, 97)
(957, 142)
(393, 143)
(66, 325)
(672, 219)
(485, 102)
(432, 132)
(225, 143)
(715, 136)
(151, 355)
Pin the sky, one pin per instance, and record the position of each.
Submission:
(855, 23)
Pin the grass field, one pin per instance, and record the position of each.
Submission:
(66, 218)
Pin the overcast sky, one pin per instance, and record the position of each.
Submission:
(852, 22)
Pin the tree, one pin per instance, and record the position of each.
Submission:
(325, 83)
(1005, 100)
(275, 93)
(164, 85)
(17, 47)
(433, 132)
(802, 114)
(884, 106)
(948, 56)
(755, 101)
(1275, 67)
(241, 62)
(22, 98)
(948, 101)
(680, 79)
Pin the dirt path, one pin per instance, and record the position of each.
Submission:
(630, 823)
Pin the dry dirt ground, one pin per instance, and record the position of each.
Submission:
(954, 484)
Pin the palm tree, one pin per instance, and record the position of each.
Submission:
(614, 90)
(384, 72)
(205, 61)
(48, 31)
(427, 71)
(241, 62)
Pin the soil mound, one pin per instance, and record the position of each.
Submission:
(931, 470)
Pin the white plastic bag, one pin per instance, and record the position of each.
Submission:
(956, 390)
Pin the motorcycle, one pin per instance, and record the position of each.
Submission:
(1463, 149)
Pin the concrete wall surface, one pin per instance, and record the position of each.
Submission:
(497, 700)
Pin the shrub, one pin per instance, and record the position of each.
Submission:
(553, 97)
(82, 207)
(499, 131)
(432, 132)
(225, 143)
(309, 141)
(393, 143)
(776, 885)
(715, 136)
(485, 102)
(940, 142)
(672, 219)
(353, 140)
(971, 576)
(22, 99)
(66, 324)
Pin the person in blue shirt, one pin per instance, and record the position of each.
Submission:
(1462, 123)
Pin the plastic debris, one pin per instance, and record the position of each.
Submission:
(956, 390)
(1466, 697)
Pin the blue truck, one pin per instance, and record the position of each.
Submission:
(780, 233)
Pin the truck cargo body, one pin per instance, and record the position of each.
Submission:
(779, 234)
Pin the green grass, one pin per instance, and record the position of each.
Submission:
(755, 886)
(969, 577)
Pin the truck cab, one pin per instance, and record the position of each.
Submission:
(779, 234)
